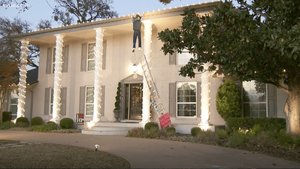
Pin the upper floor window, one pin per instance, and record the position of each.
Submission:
(186, 99)
(254, 99)
(184, 57)
(91, 57)
(53, 60)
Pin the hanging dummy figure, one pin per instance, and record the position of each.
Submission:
(137, 24)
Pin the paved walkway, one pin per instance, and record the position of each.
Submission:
(150, 153)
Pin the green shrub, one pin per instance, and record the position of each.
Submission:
(6, 116)
(153, 132)
(22, 122)
(136, 132)
(265, 124)
(49, 126)
(263, 139)
(150, 125)
(35, 121)
(237, 139)
(170, 131)
(285, 139)
(6, 125)
(228, 100)
(52, 125)
(66, 123)
(222, 134)
(195, 131)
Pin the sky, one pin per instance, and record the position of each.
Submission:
(42, 9)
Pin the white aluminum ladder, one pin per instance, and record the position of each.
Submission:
(154, 96)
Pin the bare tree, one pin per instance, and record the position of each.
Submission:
(66, 11)
(20, 5)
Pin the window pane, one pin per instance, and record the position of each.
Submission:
(89, 95)
(89, 109)
(186, 99)
(186, 110)
(51, 95)
(91, 65)
(184, 57)
(254, 98)
(13, 109)
(91, 50)
(254, 91)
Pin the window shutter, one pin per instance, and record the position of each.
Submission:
(49, 61)
(104, 55)
(83, 56)
(272, 100)
(172, 59)
(63, 101)
(102, 108)
(199, 99)
(47, 100)
(172, 99)
(82, 99)
(65, 58)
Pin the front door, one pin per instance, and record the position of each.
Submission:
(133, 101)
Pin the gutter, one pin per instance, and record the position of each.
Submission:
(203, 7)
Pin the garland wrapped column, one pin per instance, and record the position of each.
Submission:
(205, 98)
(22, 79)
(147, 51)
(98, 80)
(57, 79)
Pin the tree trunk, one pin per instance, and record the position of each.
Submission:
(292, 110)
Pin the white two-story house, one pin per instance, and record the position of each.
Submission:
(82, 64)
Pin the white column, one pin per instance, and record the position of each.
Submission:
(22, 79)
(98, 79)
(147, 51)
(205, 98)
(57, 79)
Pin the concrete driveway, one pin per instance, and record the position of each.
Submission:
(150, 153)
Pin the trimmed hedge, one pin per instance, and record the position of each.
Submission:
(266, 124)
(66, 123)
(170, 131)
(6, 116)
(228, 100)
(35, 121)
(22, 122)
(151, 125)
(195, 131)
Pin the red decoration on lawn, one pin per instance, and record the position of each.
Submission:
(165, 120)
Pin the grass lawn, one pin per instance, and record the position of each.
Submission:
(15, 154)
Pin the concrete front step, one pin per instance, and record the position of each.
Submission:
(105, 128)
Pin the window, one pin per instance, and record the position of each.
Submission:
(254, 99)
(90, 57)
(186, 99)
(89, 101)
(184, 57)
(13, 103)
(53, 60)
(51, 101)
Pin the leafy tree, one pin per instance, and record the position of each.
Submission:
(257, 41)
(20, 5)
(82, 10)
(165, 1)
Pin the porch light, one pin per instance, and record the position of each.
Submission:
(134, 69)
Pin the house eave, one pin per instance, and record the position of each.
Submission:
(203, 7)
